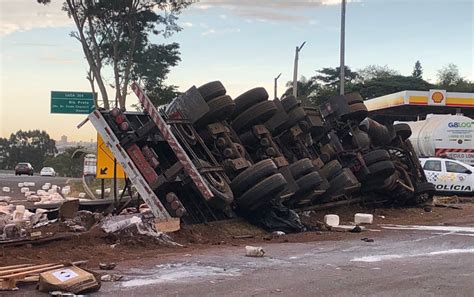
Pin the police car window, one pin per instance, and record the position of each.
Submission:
(432, 165)
(455, 167)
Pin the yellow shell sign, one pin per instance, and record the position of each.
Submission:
(105, 161)
(437, 97)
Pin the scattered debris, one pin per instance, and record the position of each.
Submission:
(367, 239)
(356, 229)
(107, 266)
(254, 251)
(111, 277)
(278, 233)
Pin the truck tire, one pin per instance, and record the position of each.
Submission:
(376, 156)
(358, 111)
(423, 193)
(295, 115)
(309, 182)
(249, 98)
(218, 185)
(403, 130)
(301, 168)
(331, 169)
(252, 175)
(361, 139)
(212, 90)
(289, 102)
(329, 150)
(337, 185)
(257, 114)
(262, 193)
(381, 170)
(219, 109)
(353, 98)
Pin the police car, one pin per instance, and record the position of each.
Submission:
(449, 176)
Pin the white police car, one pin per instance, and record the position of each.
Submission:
(450, 176)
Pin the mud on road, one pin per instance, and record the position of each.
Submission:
(97, 246)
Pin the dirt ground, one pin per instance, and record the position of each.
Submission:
(95, 246)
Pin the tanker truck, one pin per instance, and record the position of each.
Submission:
(450, 136)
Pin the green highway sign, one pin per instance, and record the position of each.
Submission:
(72, 102)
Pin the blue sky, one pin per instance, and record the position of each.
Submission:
(242, 43)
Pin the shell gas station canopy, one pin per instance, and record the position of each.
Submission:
(414, 105)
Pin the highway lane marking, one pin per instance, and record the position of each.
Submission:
(379, 258)
(430, 228)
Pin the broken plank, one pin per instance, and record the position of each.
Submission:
(14, 266)
(27, 273)
(22, 269)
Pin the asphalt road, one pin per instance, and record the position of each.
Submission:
(397, 263)
(10, 180)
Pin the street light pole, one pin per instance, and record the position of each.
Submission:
(343, 33)
(276, 85)
(295, 70)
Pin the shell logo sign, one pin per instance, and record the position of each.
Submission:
(437, 97)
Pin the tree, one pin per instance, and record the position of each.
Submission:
(448, 76)
(65, 165)
(116, 34)
(307, 89)
(417, 70)
(29, 146)
(4, 152)
(387, 85)
(375, 72)
(331, 76)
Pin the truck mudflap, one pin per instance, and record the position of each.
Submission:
(181, 155)
(133, 173)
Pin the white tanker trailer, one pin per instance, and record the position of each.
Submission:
(449, 136)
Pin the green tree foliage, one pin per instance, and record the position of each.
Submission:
(307, 90)
(65, 165)
(152, 67)
(387, 85)
(417, 70)
(27, 146)
(375, 72)
(115, 37)
(448, 75)
(330, 76)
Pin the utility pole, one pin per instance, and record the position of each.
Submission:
(343, 33)
(276, 85)
(295, 72)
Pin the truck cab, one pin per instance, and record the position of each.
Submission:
(449, 176)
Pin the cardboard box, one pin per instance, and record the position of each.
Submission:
(68, 279)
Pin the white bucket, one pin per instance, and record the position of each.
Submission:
(254, 251)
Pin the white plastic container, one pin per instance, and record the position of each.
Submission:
(82, 195)
(6, 189)
(18, 213)
(254, 251)
(24, 190)
(363, 218)
(21, 185)
(331, 220)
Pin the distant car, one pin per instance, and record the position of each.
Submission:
(23, 168)
(47, 171)
(449, 176)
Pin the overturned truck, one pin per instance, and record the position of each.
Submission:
(208, 157)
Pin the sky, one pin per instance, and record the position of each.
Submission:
(243, 43)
